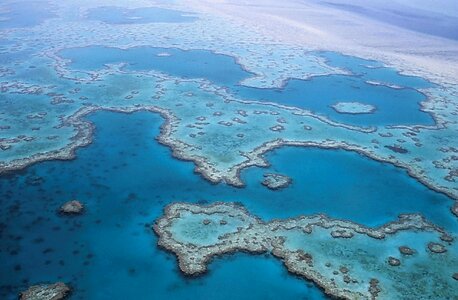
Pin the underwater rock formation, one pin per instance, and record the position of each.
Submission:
(276, 181)
(73, 207)
(55, 291)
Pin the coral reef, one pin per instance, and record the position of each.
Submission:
(353, 108)
(55, 291)
(73, 207)
(276, 181)
(351, 268)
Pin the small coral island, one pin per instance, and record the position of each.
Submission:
(353, 108)
(55, 291)
(73, 207)
(351, 268)
(276, 181)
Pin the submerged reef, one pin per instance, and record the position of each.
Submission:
(73, 207)
(364, 264)
(276, 181)
(55, 291)
(353, 108)
(454, 208)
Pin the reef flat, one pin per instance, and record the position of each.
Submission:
(347, 260)
(353, 108)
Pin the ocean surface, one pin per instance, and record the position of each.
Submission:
(420, 16)
(125, 178)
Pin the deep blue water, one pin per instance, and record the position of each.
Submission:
(25, 13)
(394, 106)
(121, 15)
(110, 252)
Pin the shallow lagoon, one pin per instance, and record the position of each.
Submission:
(394, 106)
(125, 178)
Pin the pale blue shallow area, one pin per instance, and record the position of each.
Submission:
(142, 15)
(394, 106)
(125, 178)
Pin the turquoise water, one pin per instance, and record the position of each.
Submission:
(121, 15)
(394, 106)
(318, 94)
(125, 178)
(24, 13)
(11, 57)
(345, 185)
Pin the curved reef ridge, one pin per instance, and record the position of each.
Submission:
(353, 108)
(365, 263)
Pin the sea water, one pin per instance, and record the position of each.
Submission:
(125, 178)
